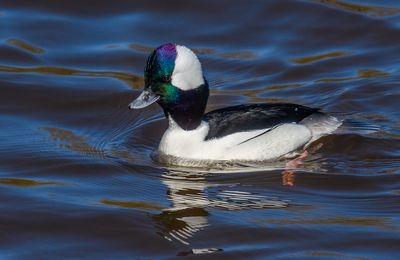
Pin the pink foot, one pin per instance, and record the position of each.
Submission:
(296, 162)
(288, 175)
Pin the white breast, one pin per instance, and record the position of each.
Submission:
(271, 145)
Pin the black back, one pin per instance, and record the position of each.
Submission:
(242, 118)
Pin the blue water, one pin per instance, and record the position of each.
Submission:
(76, 175)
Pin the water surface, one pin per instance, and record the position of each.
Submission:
(76, 176)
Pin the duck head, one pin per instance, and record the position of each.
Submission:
(174, 79)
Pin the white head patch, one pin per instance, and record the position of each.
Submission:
(187, 73)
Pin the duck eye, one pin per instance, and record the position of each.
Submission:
(165, 78)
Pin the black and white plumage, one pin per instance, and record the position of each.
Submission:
(250, 117)
(253, 132)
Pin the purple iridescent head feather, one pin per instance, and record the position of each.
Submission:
(162, 60)
(167, 50)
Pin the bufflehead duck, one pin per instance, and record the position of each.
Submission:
(251, 132)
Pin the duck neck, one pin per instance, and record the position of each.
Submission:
(188, 109)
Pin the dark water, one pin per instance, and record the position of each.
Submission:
(76, 175)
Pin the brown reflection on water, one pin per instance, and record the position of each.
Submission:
(382, 223)
(372, 10)
(319, 57)
(141, 48)
(131, 204)
(26, 183)
(361, 74)
(25, 46)
(68, 140)
(200, 51)
(253, 94)
(283, 86)
(240, 55)
(325, 254)
(134, 81)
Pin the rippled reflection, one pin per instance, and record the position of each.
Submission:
(25, 183)
(131, 204)
(373, 10)
(133, 80)
(192, 197)
(361, 74)
(319, 57)
(66, 139)
(25, 46)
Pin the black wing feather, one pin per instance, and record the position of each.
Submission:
(250, 117)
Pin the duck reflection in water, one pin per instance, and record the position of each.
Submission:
(187, 214)
(192, 196)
